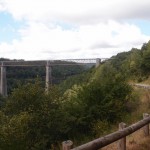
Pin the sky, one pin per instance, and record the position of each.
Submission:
(72, 29)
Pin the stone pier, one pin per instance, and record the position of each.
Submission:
(98, 62)
(3, 81)
(48, 76)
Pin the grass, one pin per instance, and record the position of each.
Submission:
(146, 81)
(137, 140)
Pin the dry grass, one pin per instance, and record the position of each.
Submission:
(137, 140)
(144, 144)
(146, 81)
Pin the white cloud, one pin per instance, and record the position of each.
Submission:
(92, 32)
(78, 11)
(2, 5)
(40, 41)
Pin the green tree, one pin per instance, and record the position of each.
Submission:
(97, 100)
(34, 119)
(146, 58)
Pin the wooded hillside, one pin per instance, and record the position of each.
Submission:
(81, 107)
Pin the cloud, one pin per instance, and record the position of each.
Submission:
(2, 5)
(78, 11)
(41, 41)
(56, 29)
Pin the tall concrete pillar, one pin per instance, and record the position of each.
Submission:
(48, 76)
(3, 81)
(98, 62)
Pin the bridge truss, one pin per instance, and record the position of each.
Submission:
(52, 62)
(47, 63)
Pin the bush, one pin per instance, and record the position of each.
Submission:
(34, 119)
(97, 100)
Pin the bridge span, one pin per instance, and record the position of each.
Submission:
(47, 63)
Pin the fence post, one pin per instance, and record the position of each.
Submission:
(146, 127)
(67, 145)
(122, 142)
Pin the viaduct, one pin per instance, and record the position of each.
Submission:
(47, 63)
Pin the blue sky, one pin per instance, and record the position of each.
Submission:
(9, 27)
(144, 25)
(56, 29)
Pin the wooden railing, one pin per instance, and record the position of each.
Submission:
(108, 139)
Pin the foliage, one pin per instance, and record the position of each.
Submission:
(146, 58)
(97, 100)
(32, 119)
(101, 127)
(135, 64)
(82, 78)
(2, 101)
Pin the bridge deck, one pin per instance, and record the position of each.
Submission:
(49, 62)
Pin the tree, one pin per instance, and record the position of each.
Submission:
(35, 120)
(145, 66)
(97, 100)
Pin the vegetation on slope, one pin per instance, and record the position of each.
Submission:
(32, 119)
(86, 106)
(137, 140)
(135, 64)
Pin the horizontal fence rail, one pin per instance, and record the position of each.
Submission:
(108, 139)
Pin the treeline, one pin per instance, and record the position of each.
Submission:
(135, 64)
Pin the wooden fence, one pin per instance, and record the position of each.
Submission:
(108, 139)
